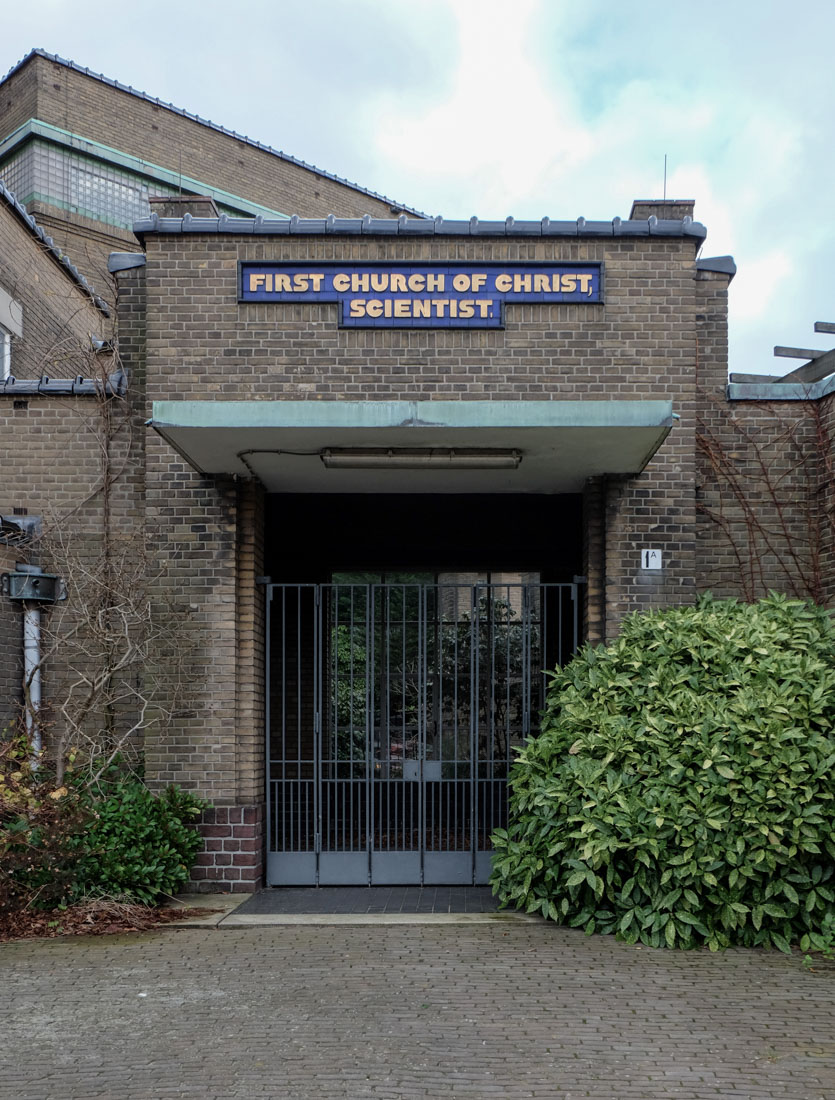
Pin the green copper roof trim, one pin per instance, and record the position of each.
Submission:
(76, 208)
(781, 391)
(406, 414)
(34, 128)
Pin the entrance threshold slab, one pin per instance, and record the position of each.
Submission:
(257, 920)
(370, 901)
(347, 905)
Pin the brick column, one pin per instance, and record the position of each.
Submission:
(232, 858)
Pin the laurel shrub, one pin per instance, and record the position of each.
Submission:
(682, 790)
(137, 844)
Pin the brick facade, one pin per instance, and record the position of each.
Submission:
(50, 455)
(65, 96)
(762, 522)
(738, 498)
(640, 344)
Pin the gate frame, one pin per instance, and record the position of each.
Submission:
(305, 867)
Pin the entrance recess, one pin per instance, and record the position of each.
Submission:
(393, 712)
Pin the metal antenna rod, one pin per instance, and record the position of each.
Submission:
(665, 177)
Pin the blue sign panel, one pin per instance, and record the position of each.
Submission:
(420, 295)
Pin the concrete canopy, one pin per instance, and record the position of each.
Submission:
(281, 442)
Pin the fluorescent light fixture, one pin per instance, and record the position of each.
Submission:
(420, 458)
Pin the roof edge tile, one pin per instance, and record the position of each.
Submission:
(406, 227)
(50, 246)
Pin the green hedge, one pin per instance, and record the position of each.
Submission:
(681, 792)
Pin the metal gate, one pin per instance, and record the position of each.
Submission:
(392, 714)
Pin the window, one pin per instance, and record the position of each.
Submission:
(5, 353)
(11, 325)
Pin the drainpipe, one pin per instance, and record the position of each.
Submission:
(32, 587)
(32, 670)
(32, 673)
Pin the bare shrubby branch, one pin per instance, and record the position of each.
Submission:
(114, 652)
(773, 482)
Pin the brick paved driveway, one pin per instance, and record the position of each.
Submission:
(483, 1010)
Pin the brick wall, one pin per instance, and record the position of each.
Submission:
(71, 100)
(88, 243)
(760, 522)
(58, 317)
(58, 449)
(640, 344)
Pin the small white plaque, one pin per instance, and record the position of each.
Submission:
(651, 559)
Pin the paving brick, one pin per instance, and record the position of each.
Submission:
(371, 1012)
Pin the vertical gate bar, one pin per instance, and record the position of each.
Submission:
(372, 689)
(420, 748)
(547, 633)
(575, 601)
(527, 643)
(285, 719)
(298, 689)
(490, 656)
(287, 803)
(317, 725)
(351, 825)
(508, 714)
(268, 596)
(474, 731)
(322, 656)
(368, 819)
(329, 655)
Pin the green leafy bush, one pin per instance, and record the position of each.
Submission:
(682, 791)
(138, 843)
(59, 843)
(40, 826)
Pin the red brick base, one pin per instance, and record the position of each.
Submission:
(233, 854)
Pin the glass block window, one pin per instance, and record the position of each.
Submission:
(82, 185)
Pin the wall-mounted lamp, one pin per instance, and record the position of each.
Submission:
(420, 458)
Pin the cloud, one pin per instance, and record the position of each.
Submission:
(757, 283)
(534, 108)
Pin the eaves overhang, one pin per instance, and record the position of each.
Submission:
(281, 443)
(781, 391)
(420, 228)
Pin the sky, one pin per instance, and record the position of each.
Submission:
(522, 107)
